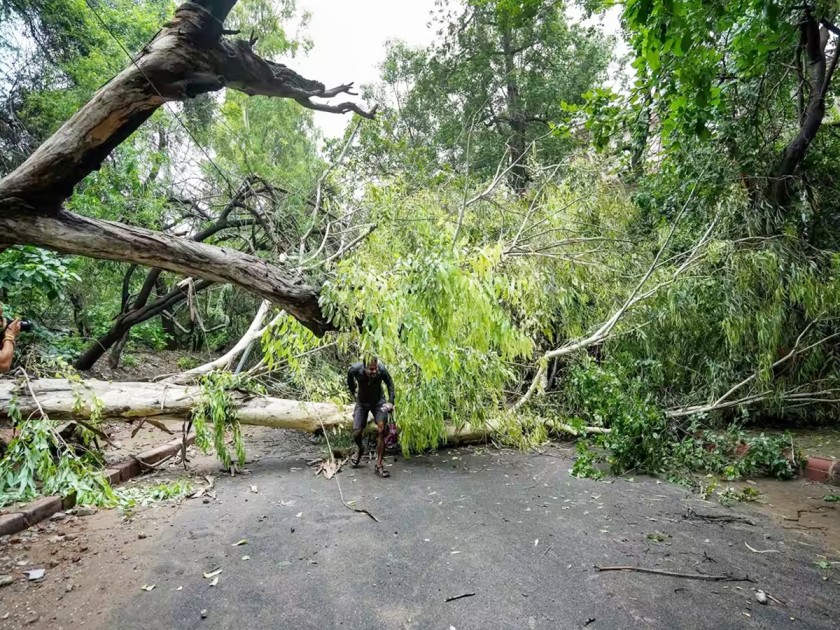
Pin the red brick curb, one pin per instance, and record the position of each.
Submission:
(40, 509)
(823, 469)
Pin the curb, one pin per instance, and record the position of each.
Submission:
(43, 508)
(823, 469)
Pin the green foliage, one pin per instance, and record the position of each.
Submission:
(730, 495)
(130, 498)
(214, 416)
(585, 465)
(38, 462)
(497, 77)
(29, 273)
(434, 314)
(187, 363)
(639, 434)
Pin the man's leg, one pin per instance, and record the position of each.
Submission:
(380, 442)
(380, 416)
(360, 416)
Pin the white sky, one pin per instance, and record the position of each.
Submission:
(349, 40)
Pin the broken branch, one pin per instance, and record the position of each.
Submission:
(689, 576)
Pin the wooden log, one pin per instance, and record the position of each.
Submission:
(128, 400)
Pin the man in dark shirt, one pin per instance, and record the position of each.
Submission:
(364, 380)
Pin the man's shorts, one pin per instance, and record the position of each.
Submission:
(361, 413)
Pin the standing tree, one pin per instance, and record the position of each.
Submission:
(493, 84)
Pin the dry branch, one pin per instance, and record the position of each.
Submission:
(690, 576)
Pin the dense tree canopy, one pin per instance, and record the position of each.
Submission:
(528, 242)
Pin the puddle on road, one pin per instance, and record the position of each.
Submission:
(799, 507)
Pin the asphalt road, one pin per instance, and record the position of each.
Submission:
(514, 531)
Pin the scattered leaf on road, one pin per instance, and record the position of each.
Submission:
(215, 581)
(246, 557)
(240, 543)
(36, 574)
(148, 587)
(253, 488)
(299, 514)
(212, 573)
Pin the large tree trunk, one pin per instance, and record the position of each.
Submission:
(814, 37)
(74, 234)
(187, 57)
(58, 399)
(516, 119)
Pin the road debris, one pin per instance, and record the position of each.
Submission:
(452, 599)
(690, 576)
(761, 551)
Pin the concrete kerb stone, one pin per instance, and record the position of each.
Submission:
(43, 508)
(823, 469)
(11, 523)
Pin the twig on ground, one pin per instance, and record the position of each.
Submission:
(97, 432)
(337, 482)
(452, 599)
(716, 518)
(690, 576)
(154, 466)
(778, 601)
(761, 551)
(139, 426)
(159, 425)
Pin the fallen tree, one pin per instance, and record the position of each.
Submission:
(189, 56)
(61, 399)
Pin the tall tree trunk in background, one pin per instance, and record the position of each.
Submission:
(814, 38)
(518, 141)
(153, 282)
(123, 323)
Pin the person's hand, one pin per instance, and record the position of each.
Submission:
(388, 407)
(13, 329)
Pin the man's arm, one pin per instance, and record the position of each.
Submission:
(389, 383)
(7, 345)
(351, 382)
(7, 351)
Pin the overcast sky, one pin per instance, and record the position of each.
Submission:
(350, 38)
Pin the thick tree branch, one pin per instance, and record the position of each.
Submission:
(813, 41)
(74, 234)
